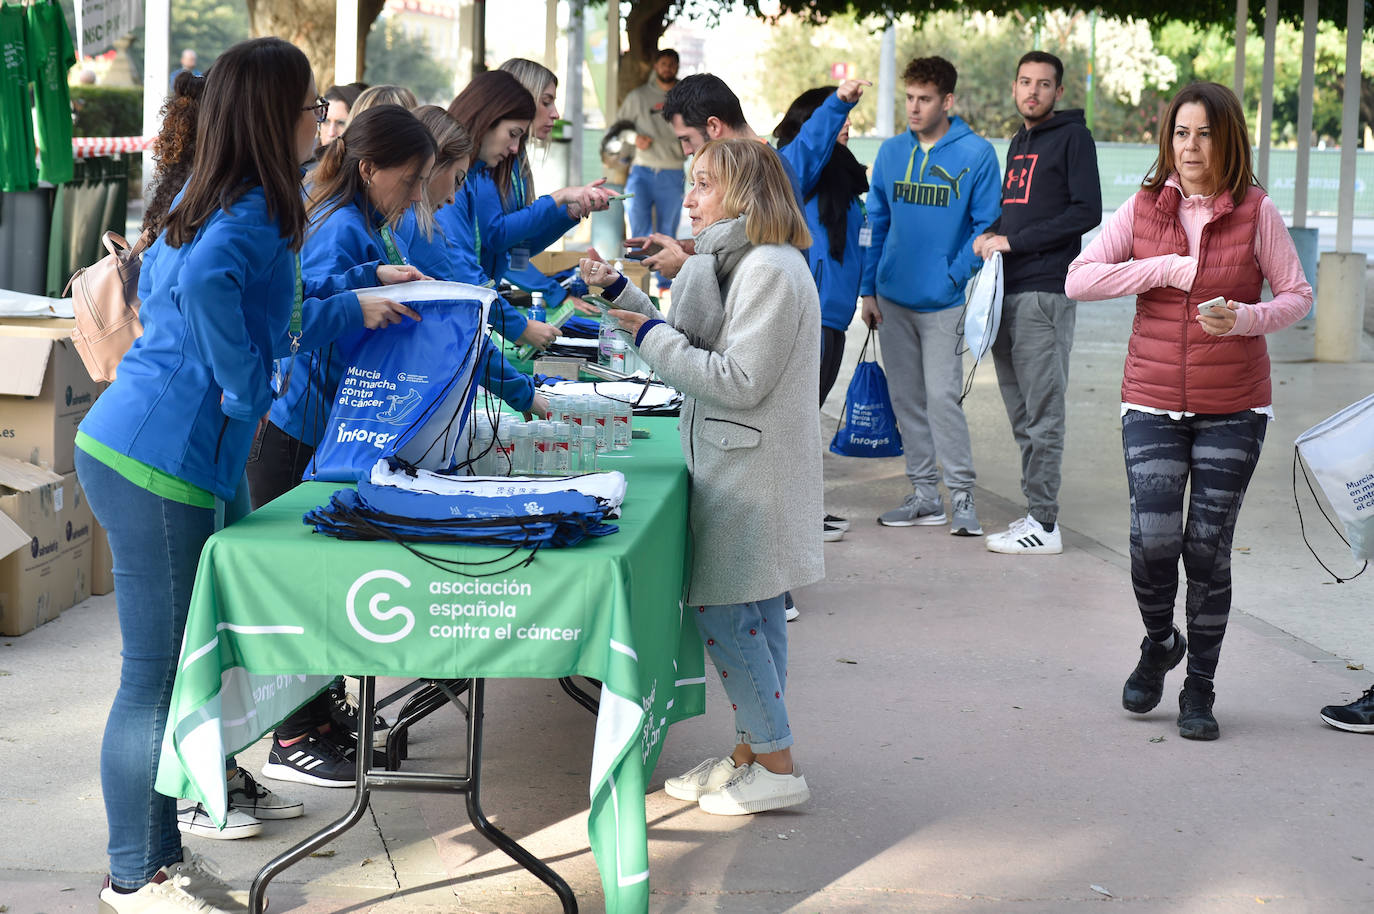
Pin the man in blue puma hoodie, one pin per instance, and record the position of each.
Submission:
(934, 189)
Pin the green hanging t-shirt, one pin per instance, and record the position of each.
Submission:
(51, 55)
(18, 170)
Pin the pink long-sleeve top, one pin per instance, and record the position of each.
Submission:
(1105, 268)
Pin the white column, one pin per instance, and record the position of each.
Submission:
(551, 34)
(1266, 104)
(1341, 274)
(157, 52)
(887, 79)
(577, 32)
(466, 23)
(347, 67)
(1238, 82)
(1306, 91)
(612, 58)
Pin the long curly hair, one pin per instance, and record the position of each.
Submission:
(174, 149)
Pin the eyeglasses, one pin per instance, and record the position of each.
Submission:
(321, 109)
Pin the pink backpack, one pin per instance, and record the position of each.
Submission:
(105, 299)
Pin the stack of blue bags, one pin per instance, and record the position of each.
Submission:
(529, 521)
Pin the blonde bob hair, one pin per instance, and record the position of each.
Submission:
(753, 182)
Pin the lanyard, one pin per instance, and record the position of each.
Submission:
(477, 247)
(297, 298)
(393, 256)
(517, 176)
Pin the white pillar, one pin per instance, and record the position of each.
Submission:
(612, 58)
(1238, 81)
(577, 31)
(1306, 91)
(1266, 104)
(887, 79)
(157, 52)
(551, 34)
(1341, 274)
(466, 23)
(347, 66)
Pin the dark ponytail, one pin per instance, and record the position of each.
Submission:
(842, 179)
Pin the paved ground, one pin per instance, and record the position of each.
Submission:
(957, 715)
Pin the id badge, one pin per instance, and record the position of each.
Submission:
(519, 258)
(866, 237)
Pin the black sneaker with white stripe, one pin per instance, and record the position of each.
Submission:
(311, 760)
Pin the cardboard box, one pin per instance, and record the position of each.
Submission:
(76, 536)
(33, 584)
(45, 392)
(102, 561)
(550, 262)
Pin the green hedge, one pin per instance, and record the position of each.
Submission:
(107, 110)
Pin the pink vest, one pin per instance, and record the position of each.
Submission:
(1171, 362)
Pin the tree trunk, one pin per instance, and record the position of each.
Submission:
(644, 26)
(309, 25)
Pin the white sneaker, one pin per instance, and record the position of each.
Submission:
(704, 778)
(831, 534)
(194, 820)
(203, 880)
(835, 520)
(167, 893)
(755, 789)
(1026, 536)
(792, 613)
(248, 796)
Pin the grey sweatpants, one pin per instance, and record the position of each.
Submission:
(1032, 357)
(925, 376)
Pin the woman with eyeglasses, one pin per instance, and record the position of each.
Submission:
(171, 435)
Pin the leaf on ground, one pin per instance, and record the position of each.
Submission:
(366, 861)
(1156, 739)
(844, 660)
(1101, 891)
(1242, 549)
(1353, 666)
(328, 853)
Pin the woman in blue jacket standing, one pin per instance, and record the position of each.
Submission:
(171, 435)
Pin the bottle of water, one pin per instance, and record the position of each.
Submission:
(562, 449)
(522, 449)
(621, 427)
(503, 450)
(480, 454)
(537, 312)
(606, 338)
(586, 449)
(539, 453)
(604, 424)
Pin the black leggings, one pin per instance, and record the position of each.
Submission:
(832, 353)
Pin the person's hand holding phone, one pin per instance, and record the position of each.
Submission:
(1217, 316)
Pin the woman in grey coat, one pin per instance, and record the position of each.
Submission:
(742, 343)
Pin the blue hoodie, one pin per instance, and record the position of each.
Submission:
(215, 312)
(925, 209)
(461, 260)
(541, 222)
(837, 281)
(530, 279)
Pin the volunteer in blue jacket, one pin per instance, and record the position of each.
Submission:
(496, 111)
(935, 188)
(542, 84)
(171, 435)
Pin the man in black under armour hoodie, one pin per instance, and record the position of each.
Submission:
(1050, 197)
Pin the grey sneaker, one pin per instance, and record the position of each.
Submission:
(965, 521)
(915, 512)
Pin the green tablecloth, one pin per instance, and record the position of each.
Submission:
(278, 611)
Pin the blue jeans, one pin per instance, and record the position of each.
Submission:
(748, 644)
(657, 202)
(156, 544)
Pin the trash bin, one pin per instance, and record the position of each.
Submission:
(25, 216)
(94, 202)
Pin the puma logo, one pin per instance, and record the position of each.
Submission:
(952, 179)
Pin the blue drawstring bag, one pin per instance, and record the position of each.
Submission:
(868, 427)
(408, 388)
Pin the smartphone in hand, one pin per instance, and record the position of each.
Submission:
(649, 251)
(1213, 307)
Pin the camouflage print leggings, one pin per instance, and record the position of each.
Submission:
(1213, 457)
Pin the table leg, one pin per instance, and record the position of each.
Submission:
(580, 696)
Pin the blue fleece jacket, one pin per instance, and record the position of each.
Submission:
(925, 209)
(215, 312)
(530, 279)
(461, 259)
(837, 281)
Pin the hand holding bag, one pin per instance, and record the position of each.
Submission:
(868, 427)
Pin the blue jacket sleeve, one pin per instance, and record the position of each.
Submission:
(985, 205)
(324, 320)
(879, 216)
(360, 276)
(809, 152)
(531, 280)
(209, 294)
(501, 231)
(501, 378)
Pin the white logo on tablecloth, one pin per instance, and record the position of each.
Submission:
(381, 615)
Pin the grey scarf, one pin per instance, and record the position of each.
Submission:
(698, 309)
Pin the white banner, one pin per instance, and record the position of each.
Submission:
(99, 23)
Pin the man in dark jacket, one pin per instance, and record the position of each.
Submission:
(1050, 197)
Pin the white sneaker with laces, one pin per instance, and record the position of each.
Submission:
(704, 778)
(194, 820)
(1026, 536)
(792, 613)
(167, 893)
(248, 796)
(203, 879)
(755, 789)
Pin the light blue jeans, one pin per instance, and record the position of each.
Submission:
(657, 203)
(156, 544)
(748, 644)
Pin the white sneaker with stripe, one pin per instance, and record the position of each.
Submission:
(1026, 536)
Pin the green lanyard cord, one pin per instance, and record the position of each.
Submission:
(393, 256)
(298, 298)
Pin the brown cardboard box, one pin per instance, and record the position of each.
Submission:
(33, 582)
(102, 561)
(44, 392)
(76, 536)
(549, 262)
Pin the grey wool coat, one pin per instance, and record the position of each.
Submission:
(750, 430)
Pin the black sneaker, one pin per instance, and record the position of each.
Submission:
(312, 760)
(1145, 686)
(1195, 720)
(347, 743)
(344, 717)
(1357, 717)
